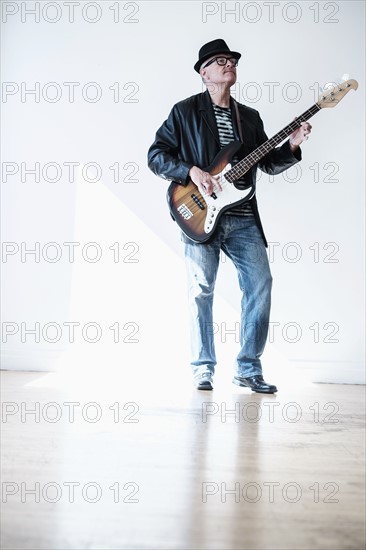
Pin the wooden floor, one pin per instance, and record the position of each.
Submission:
(150, 465)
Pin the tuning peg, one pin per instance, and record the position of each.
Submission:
(345, 77)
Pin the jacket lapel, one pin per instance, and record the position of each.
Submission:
(235, 120)
(208, 115)
(244, 149)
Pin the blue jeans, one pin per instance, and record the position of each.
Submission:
(240, 239)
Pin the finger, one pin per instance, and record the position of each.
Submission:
(202, 190)
(211, 183)
(204, 183)
(215, 180)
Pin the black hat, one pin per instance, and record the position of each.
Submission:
(210, 49)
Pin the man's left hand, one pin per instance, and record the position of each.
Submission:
(300, 135)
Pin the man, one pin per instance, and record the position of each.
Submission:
(185, 144)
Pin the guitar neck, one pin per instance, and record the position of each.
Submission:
(255, 156)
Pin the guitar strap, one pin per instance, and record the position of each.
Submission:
(238, 121)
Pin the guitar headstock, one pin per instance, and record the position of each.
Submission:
(332, 96)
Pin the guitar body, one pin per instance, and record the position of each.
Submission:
(198, 216)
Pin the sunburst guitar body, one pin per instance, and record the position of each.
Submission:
(197, 215)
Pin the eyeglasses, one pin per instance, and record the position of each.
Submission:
(222, 61)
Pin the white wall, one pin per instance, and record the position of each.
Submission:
(140, 65)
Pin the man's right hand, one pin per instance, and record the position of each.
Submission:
(206, 183)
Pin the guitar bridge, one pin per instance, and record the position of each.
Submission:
(184, 211)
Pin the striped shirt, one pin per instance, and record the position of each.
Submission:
(226, 135)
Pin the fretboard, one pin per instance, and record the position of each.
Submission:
(244, 165)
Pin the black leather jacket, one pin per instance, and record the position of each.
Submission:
(189, 137)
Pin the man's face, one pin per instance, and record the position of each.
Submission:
(219, 74)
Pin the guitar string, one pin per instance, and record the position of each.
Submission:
(193, 206)
(191, 203)
(243, 166)
(263, 149)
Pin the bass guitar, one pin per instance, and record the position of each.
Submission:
(198, 215)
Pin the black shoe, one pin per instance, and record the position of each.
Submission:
(203, 381)
(255, 383)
